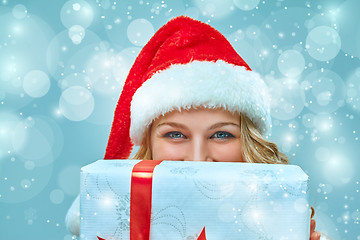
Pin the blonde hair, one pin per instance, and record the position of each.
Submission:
(255, 148)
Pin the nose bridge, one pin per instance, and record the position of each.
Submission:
(199, 149)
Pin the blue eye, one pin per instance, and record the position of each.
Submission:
(174, 135)
(222, 135)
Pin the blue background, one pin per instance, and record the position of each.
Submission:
(63, 64)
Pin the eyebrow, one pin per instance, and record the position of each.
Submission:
(214, 126)
(221, 124)
(172, 124)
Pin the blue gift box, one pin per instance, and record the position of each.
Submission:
(231, 200)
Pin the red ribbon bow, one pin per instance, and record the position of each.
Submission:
(140, 201)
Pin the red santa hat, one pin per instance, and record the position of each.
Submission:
(185, 64)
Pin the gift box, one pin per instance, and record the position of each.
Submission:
(219, 200)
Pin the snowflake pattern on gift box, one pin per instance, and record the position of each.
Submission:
(212, 190)
(117, 164)
(100, 190)
(289, 189)
(195, 237)
(220, 191)
(123, 212)
(172, 217)
(209, 190)
(184, 171)
(263, 237)
(87, 189)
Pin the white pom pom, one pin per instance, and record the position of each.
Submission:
(72, 219)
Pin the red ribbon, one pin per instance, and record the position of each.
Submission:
(140, 201)
(202, 235)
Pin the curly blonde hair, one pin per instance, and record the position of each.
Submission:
(255, 148)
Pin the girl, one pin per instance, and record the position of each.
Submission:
(190, 97)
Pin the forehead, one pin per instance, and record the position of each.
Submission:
(199, 114)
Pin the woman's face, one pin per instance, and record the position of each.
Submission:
(197, 135)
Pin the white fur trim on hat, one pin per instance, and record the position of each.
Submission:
(200, 83)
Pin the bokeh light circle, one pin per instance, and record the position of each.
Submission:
(321, 20)
(215, 8)
(29, 165)
(8, 123)
(76, 12)
(338, 170)
(140, 31)
(115, 21)
(323, 43)
(73, 80)
(324, 91)
(21, 184)
(19, 11)
(25, 183)
(100, 69)
(355, 215)
(322, 154)
(62, 50)
(192, 12)
(353, 90)
(287, 141)
(104, 109)
(277, 27)
(287, 100)
(108, 71)
(76, 65)
(323, 122)
(76, 103)
(327, 188)
(36, 83)
(76, 34)
(348, 21)
(123, 62)
(308, 120)
(30, 142)
(291, 63)
(69, 180)
(37, 140)
(246, 5)
(56, 196)
(253, 32)
(255, 47)
(25, 43)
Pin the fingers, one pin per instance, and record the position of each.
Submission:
(315, 236)
(312, 226)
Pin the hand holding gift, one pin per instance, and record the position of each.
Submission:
(313, 234)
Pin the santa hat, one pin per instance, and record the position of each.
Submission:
(185, 64)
